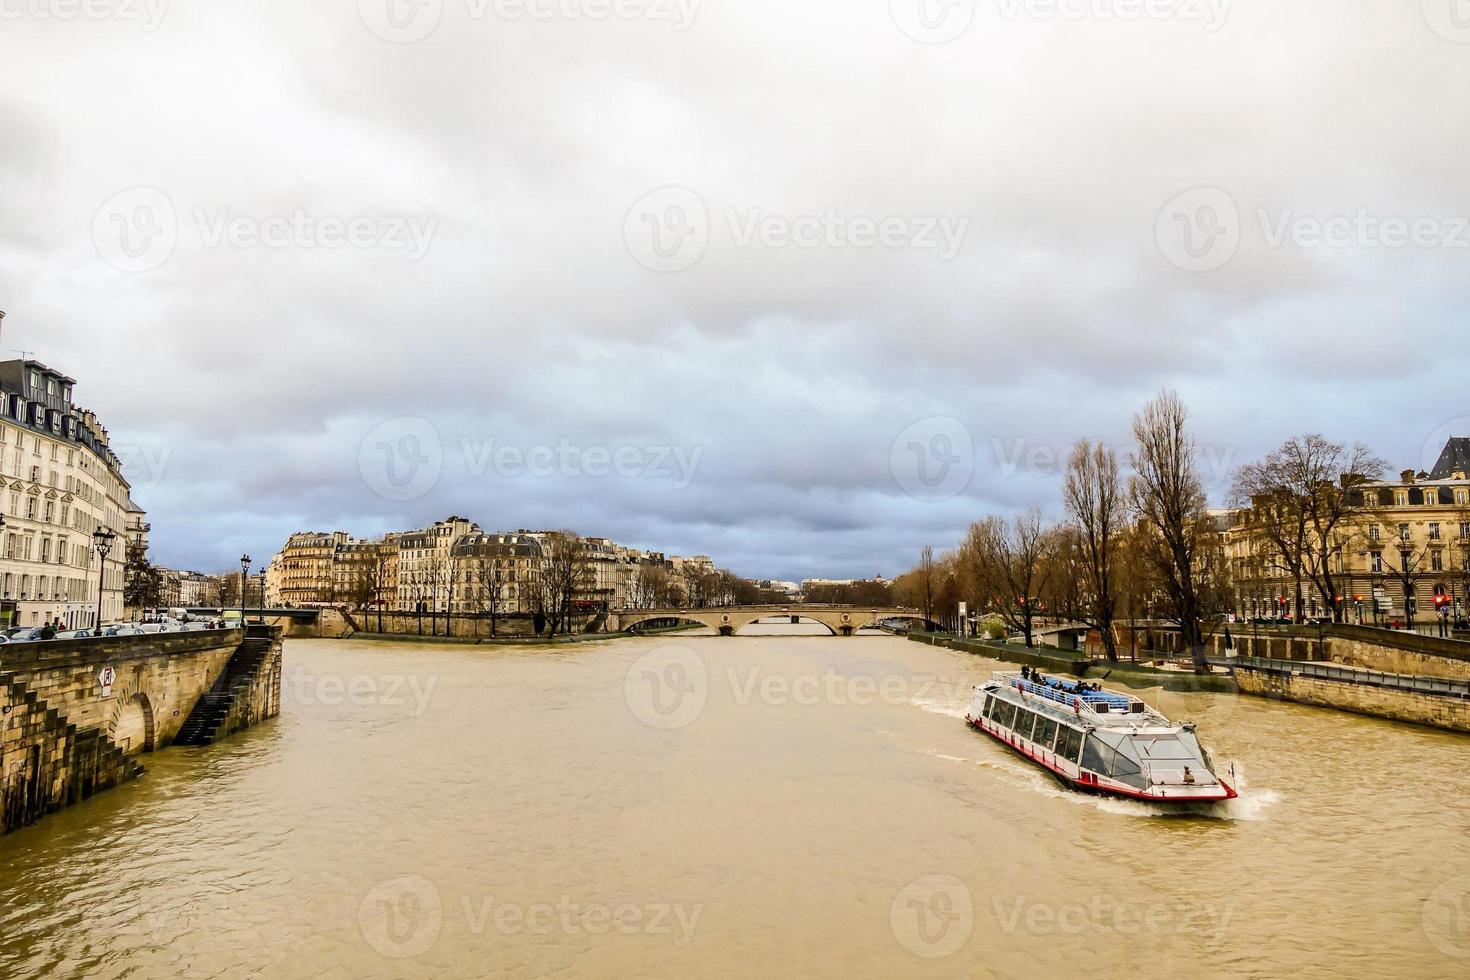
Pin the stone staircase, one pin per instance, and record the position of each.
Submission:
(63, 765)
(211, 718)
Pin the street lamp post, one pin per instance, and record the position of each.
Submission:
(262, 593)
(244, 571)
(102, 540)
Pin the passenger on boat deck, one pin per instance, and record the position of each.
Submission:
(1188, 776)
(1026, 671)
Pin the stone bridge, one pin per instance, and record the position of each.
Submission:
(729, 620)
(76, 714)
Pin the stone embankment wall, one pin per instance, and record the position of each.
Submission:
(1399, 653)
(75, 714)
(1380, 702)
(408, 624)
(1374, 649)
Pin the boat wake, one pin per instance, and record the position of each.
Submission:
(946, 708)
(1250, 805)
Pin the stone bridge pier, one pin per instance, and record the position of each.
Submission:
(75, 715)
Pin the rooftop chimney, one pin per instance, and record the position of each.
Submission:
(1407, 476)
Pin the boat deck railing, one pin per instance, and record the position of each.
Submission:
(1103, 704)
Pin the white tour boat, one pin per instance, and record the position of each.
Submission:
(1100, 741)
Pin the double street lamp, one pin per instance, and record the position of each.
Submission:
(244, 571)
(101, 540)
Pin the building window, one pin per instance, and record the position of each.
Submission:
(1377, 563)
(1436, 561)
(1433, 530)
(1403, 532)
(1373, 532)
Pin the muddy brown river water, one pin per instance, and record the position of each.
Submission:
(782, 805)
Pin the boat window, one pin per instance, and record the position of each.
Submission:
(1006, 715)
(1069, 741)
(1025, 725)
(1097, 757)
(1047, 732)
(1167, 748)
(990, 706)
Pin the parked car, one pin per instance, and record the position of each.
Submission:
(24, 634)
(72, 634)
(127, 629)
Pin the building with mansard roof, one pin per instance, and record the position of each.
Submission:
(62, 483)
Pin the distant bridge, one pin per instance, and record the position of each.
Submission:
(729, 620)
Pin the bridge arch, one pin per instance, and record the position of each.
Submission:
(792, 619)
(631, 624)
(131, 728)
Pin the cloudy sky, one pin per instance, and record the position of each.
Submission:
(800, 284)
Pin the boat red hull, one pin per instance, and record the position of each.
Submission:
(1015, 744)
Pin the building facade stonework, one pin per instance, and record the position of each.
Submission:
(1400, 553)
(61, 483)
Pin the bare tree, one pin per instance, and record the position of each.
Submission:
(1093, 494)
(1406, 571)
(1299, 502)
(435, 581)
(926, 580)
(565, 573)
(1009, 561)
(377, 580)
(1168, 500)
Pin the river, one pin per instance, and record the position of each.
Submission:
(781, 805)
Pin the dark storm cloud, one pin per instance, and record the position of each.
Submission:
(494, 292)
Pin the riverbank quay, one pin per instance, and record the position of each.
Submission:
(1437, 700)
(1417, 699)
(515, 641)
(1058, 662)
(77, 715)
